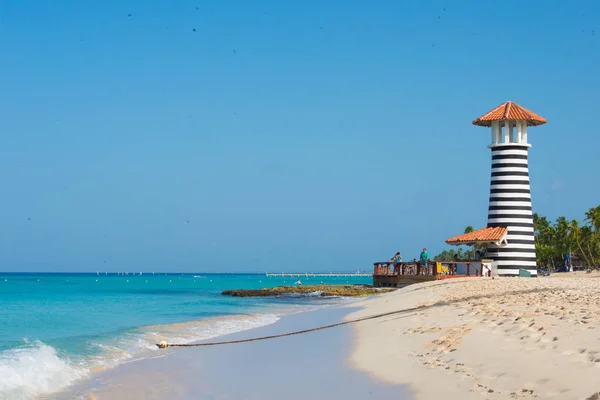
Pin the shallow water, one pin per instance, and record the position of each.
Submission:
(59, 328)
(313, 365)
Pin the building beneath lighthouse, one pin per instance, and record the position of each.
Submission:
(509, 236)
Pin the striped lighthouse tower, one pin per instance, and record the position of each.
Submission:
(510, 195)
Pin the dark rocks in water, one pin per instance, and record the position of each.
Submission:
(324, 290)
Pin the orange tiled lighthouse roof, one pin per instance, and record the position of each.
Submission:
(510, 111)
(481, 235)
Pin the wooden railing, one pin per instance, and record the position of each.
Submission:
(391, 268)
(404, 268)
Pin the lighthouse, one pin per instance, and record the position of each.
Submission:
(510, 191)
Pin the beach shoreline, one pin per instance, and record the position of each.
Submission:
(470, 338)
(502, 338)
(313, 365)
(66, 329)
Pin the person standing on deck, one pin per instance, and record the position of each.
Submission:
(424, 258)
(396, 259)
(397, 268)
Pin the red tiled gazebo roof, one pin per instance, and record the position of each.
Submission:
(481, 235)
(510, 111)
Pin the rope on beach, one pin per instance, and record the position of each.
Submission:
(163, 345)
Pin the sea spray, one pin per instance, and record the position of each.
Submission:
(35, 369)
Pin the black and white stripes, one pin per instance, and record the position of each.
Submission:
(510, 206)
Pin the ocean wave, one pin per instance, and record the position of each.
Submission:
(35, 369)
(310, 294)
(194, 331)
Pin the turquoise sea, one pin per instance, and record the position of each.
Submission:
(59, 328)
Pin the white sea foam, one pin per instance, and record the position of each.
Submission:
(29, 371)
(37, 368)
(188, 332)
(309, 294)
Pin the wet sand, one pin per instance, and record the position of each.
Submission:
(313, 365)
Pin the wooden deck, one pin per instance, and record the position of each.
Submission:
(400, 274)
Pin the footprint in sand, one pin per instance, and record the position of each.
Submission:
(523, 393)
(593, 356)
(450, 339)
(483, 389)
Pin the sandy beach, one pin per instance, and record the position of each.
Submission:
(502, 338)
(471, 338)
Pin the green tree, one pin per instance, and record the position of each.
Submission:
(553, 240)
(576, 239)
(592, 218)
(446, 255)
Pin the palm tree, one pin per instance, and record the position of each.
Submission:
(592, 217)
(587, 237)
(470, 253)
(544, 241)
(575, 238)
(554, 240)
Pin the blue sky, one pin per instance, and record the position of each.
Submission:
(280, 136)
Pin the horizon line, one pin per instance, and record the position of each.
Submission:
(180, 273)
